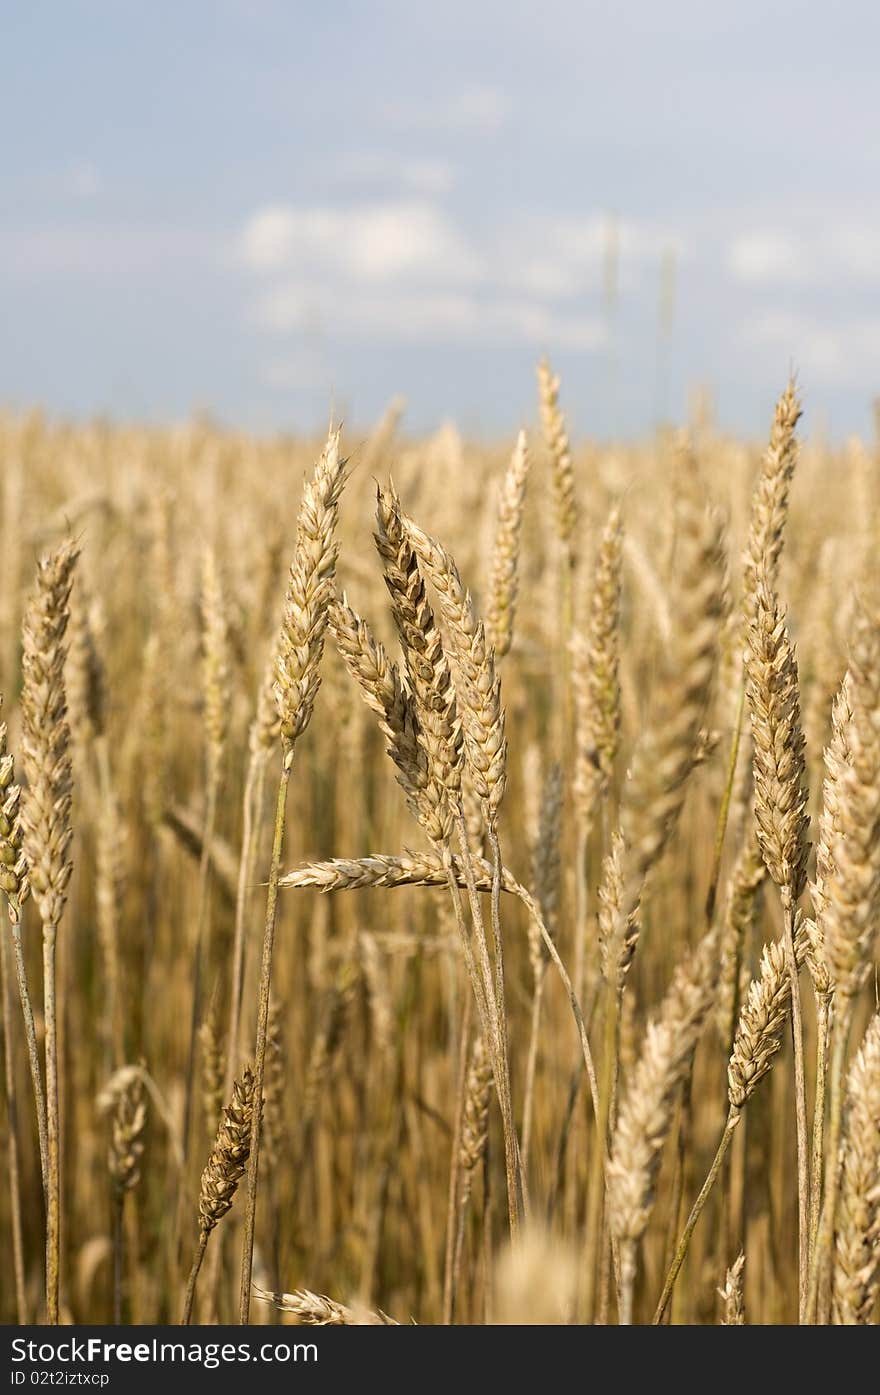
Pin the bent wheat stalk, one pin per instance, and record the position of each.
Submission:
(428, 869)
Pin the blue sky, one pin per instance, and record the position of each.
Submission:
(262, 209)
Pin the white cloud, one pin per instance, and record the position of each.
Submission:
(379, 242)
(479, 109)
(825, 351)
(575, 251)
(417, 316)
(547, 256)
(796, 340)
(405, 271)
(772, 257)
(815, 250)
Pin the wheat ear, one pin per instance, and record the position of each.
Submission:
(503, 589)
(562, 465)
(223, 1172)
(485, 751)
(758, 1038)
(732, 1294)
(317, 1310)
(595, 686)
(470, 1151)
(856, 1273)
(783, 826)
(405, 551)
(595, 677)
(664, 758)
(646, 1112)
(126, 1101)
(768, 515)
(851, 907)
(46, 833)
(770, 502)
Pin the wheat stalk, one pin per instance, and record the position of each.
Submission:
(263, 739)
(13, 1160)
(299, 650)
(15, 886)
(216, 696)
(837, 759)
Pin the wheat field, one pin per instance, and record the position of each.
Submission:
(505, 818)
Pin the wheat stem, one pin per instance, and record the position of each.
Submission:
(33, 1052)
(531, 1067)
(733, 1118)
(800, 1098)
(13, 1161)
(724, 807)
(818, 1299)
(190, 1293)
(203, 902)
(452, 1209)
(823, 1031)
(251, 803)
(53, 1133)
(247, 1248)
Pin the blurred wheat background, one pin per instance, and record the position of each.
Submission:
(608, 678)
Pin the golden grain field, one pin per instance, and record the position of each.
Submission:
(476, 808)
